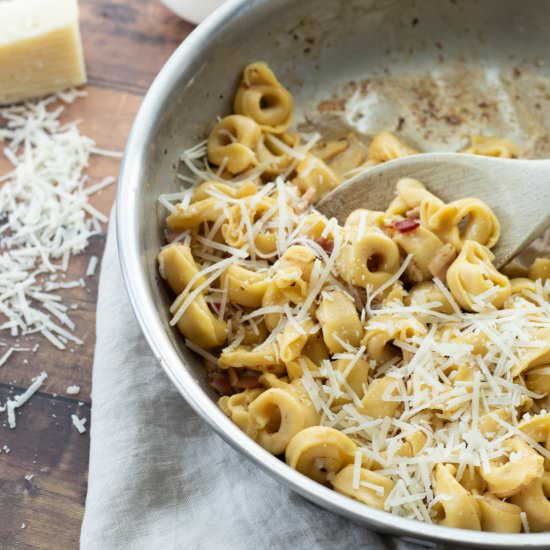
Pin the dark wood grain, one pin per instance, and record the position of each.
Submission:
(125, 43)
(128, 42)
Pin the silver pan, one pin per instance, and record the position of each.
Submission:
(434, 71)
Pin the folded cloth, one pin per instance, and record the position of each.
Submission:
(160, 477)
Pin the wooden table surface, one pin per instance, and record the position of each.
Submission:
(126, 42)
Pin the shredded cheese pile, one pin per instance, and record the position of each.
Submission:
(45, 217)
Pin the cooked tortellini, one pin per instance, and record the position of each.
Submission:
(262, 98)
(492, 147)
(370, 260)
(472, 274)
(232, 143)
(385, 357)
(319, 452)
(458, 506)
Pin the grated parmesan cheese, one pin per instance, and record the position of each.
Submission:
(20, 400)
(45, 213)
(78, 423)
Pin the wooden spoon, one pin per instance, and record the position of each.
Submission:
(518, 191)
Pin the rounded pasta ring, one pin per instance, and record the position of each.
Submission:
(320, 452)
(314, 178)
(492, 147)
(244, 287)
(199, 324)
(262, 358)
(534, 500)
(534, 358)
(206, 210)
(524, 287)
(385, 146)
(424, 246)
(370, 261)
(278, 415)
(274, 158)
(363, 218)
(497, 515)
(293, 339)
(488, 424)
(343, 155)
(457, 506)
(236, 407)
(232, 142)
(258, 211)
(537, 427)
(374, 494)
(298, 256)
(538, 380)
(411, 195)
(472, 274)
(355, 372)
(378, 343)
(206, 190)
(270, 106)
(259, 74)
(505, 479)
(286, 287)
(428, 293)
(378, 340)
(539, 269)
(468, 219)
(339, 321)
(177, 267)
(376, 402)
(472, 480)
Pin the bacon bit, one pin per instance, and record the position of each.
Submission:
(233, 377)
(326, 244)
(249, 380)
(404, 226)
(243, 379)
(218, 379)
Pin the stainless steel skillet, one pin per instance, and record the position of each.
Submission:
(435, 71)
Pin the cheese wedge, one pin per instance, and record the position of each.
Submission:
(40, 48)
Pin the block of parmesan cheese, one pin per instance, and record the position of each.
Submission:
(40, 48)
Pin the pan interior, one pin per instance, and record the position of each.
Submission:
(434, 72)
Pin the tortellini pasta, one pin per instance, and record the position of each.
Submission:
(278, 414)
(372, 489)
(262, 98)
(386, 146)
(385, 357)
(232, 143)
(318, 452)
(459, 507)
(472, 274)
(492, 147)
(370, 260)
(509, 476)
(339, 321)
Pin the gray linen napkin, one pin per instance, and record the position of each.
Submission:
(161, 478)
